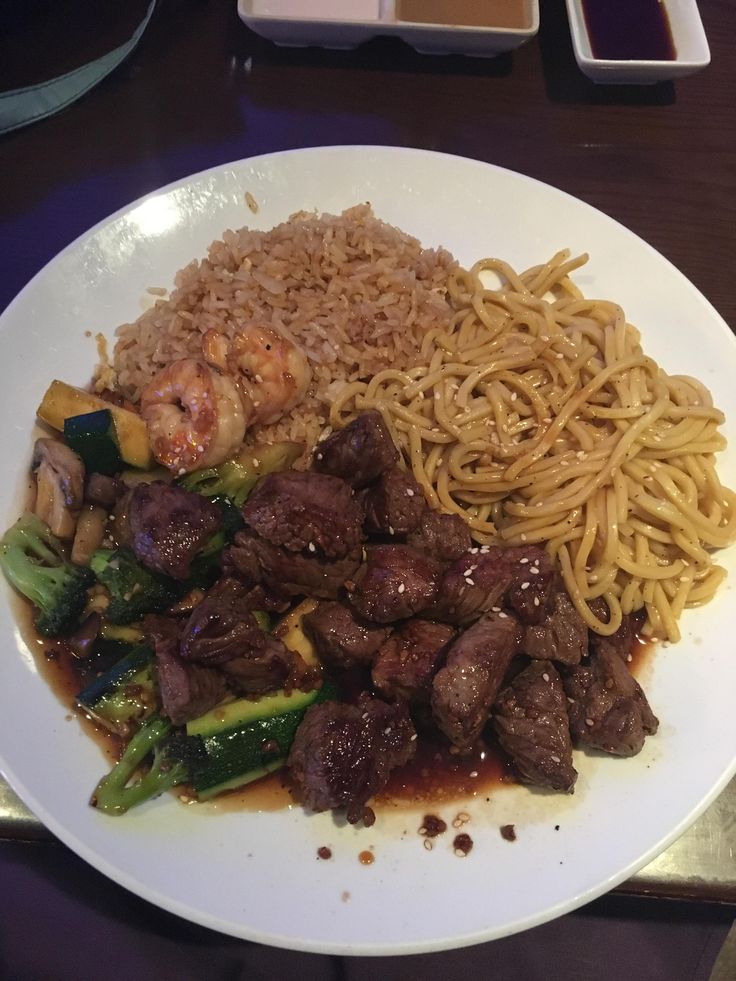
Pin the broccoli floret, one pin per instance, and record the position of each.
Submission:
(231, 479)
(34, 562)
(235, 479)
(134, 591)
(175, 756)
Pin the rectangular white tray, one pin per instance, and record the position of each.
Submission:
(298, 31)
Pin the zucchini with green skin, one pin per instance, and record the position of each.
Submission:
(94, 438)
(243, 740)
(125, 695)
(62, 401)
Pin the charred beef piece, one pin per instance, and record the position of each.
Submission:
(445, 537)
(119, 525)
(608, 709)
(282, 573)
(222, 626)
(394, 505)
(341, 637)
(305, 511)
(269, 667)
(223, 631)
(394, 583)
(562, 636)
(466, 688)
(533, 588)
(169, 526)
(358, 453)
(408, 660)
(621, 643)
(519, 577)
(103, 490)
(530, 720)
(342, 754)
(187, 690)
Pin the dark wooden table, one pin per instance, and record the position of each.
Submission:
(202, 90)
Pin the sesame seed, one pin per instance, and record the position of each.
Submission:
(556, 759)
(589, 722)
(473, 773)
(495, 609)
(533, 570)
(311, 547)
(522, 537)
(428, 844)
(387, 730)
(401, 588)
(259, 379)
(536, 601)
(319, 456)
(503, 616)
(525, 585)
(409, 492)
(545, 676)
(470, 582)
(390, 530)
(523, 561)
(413, 737)
(558, 356)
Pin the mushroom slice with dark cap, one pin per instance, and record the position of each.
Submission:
(59, 486)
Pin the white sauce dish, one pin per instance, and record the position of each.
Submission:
(592, 42)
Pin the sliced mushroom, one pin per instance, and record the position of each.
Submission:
(90, 532)
(59, 486)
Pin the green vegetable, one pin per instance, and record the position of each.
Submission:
(34, 562)
(134, 591)
(93, 437)
(236, 478)
(243, 740)
(124, 695)
(174, 757)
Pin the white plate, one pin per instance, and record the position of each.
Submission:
(256, 875)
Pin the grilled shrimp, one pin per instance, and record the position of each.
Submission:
(196, 416)
(271, 368)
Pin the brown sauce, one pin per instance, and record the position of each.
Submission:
(466, 13)
(438, 775)
(366, 858)
(623, 30)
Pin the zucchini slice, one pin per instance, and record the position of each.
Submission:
(62, 401)
(93, 436)
(244, 740)
(123, 695)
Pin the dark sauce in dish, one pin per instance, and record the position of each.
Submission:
(629, 30)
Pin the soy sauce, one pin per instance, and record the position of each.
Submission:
(629, 30)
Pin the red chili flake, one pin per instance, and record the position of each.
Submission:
(462, 845)
(508, 832)
(432, 826)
